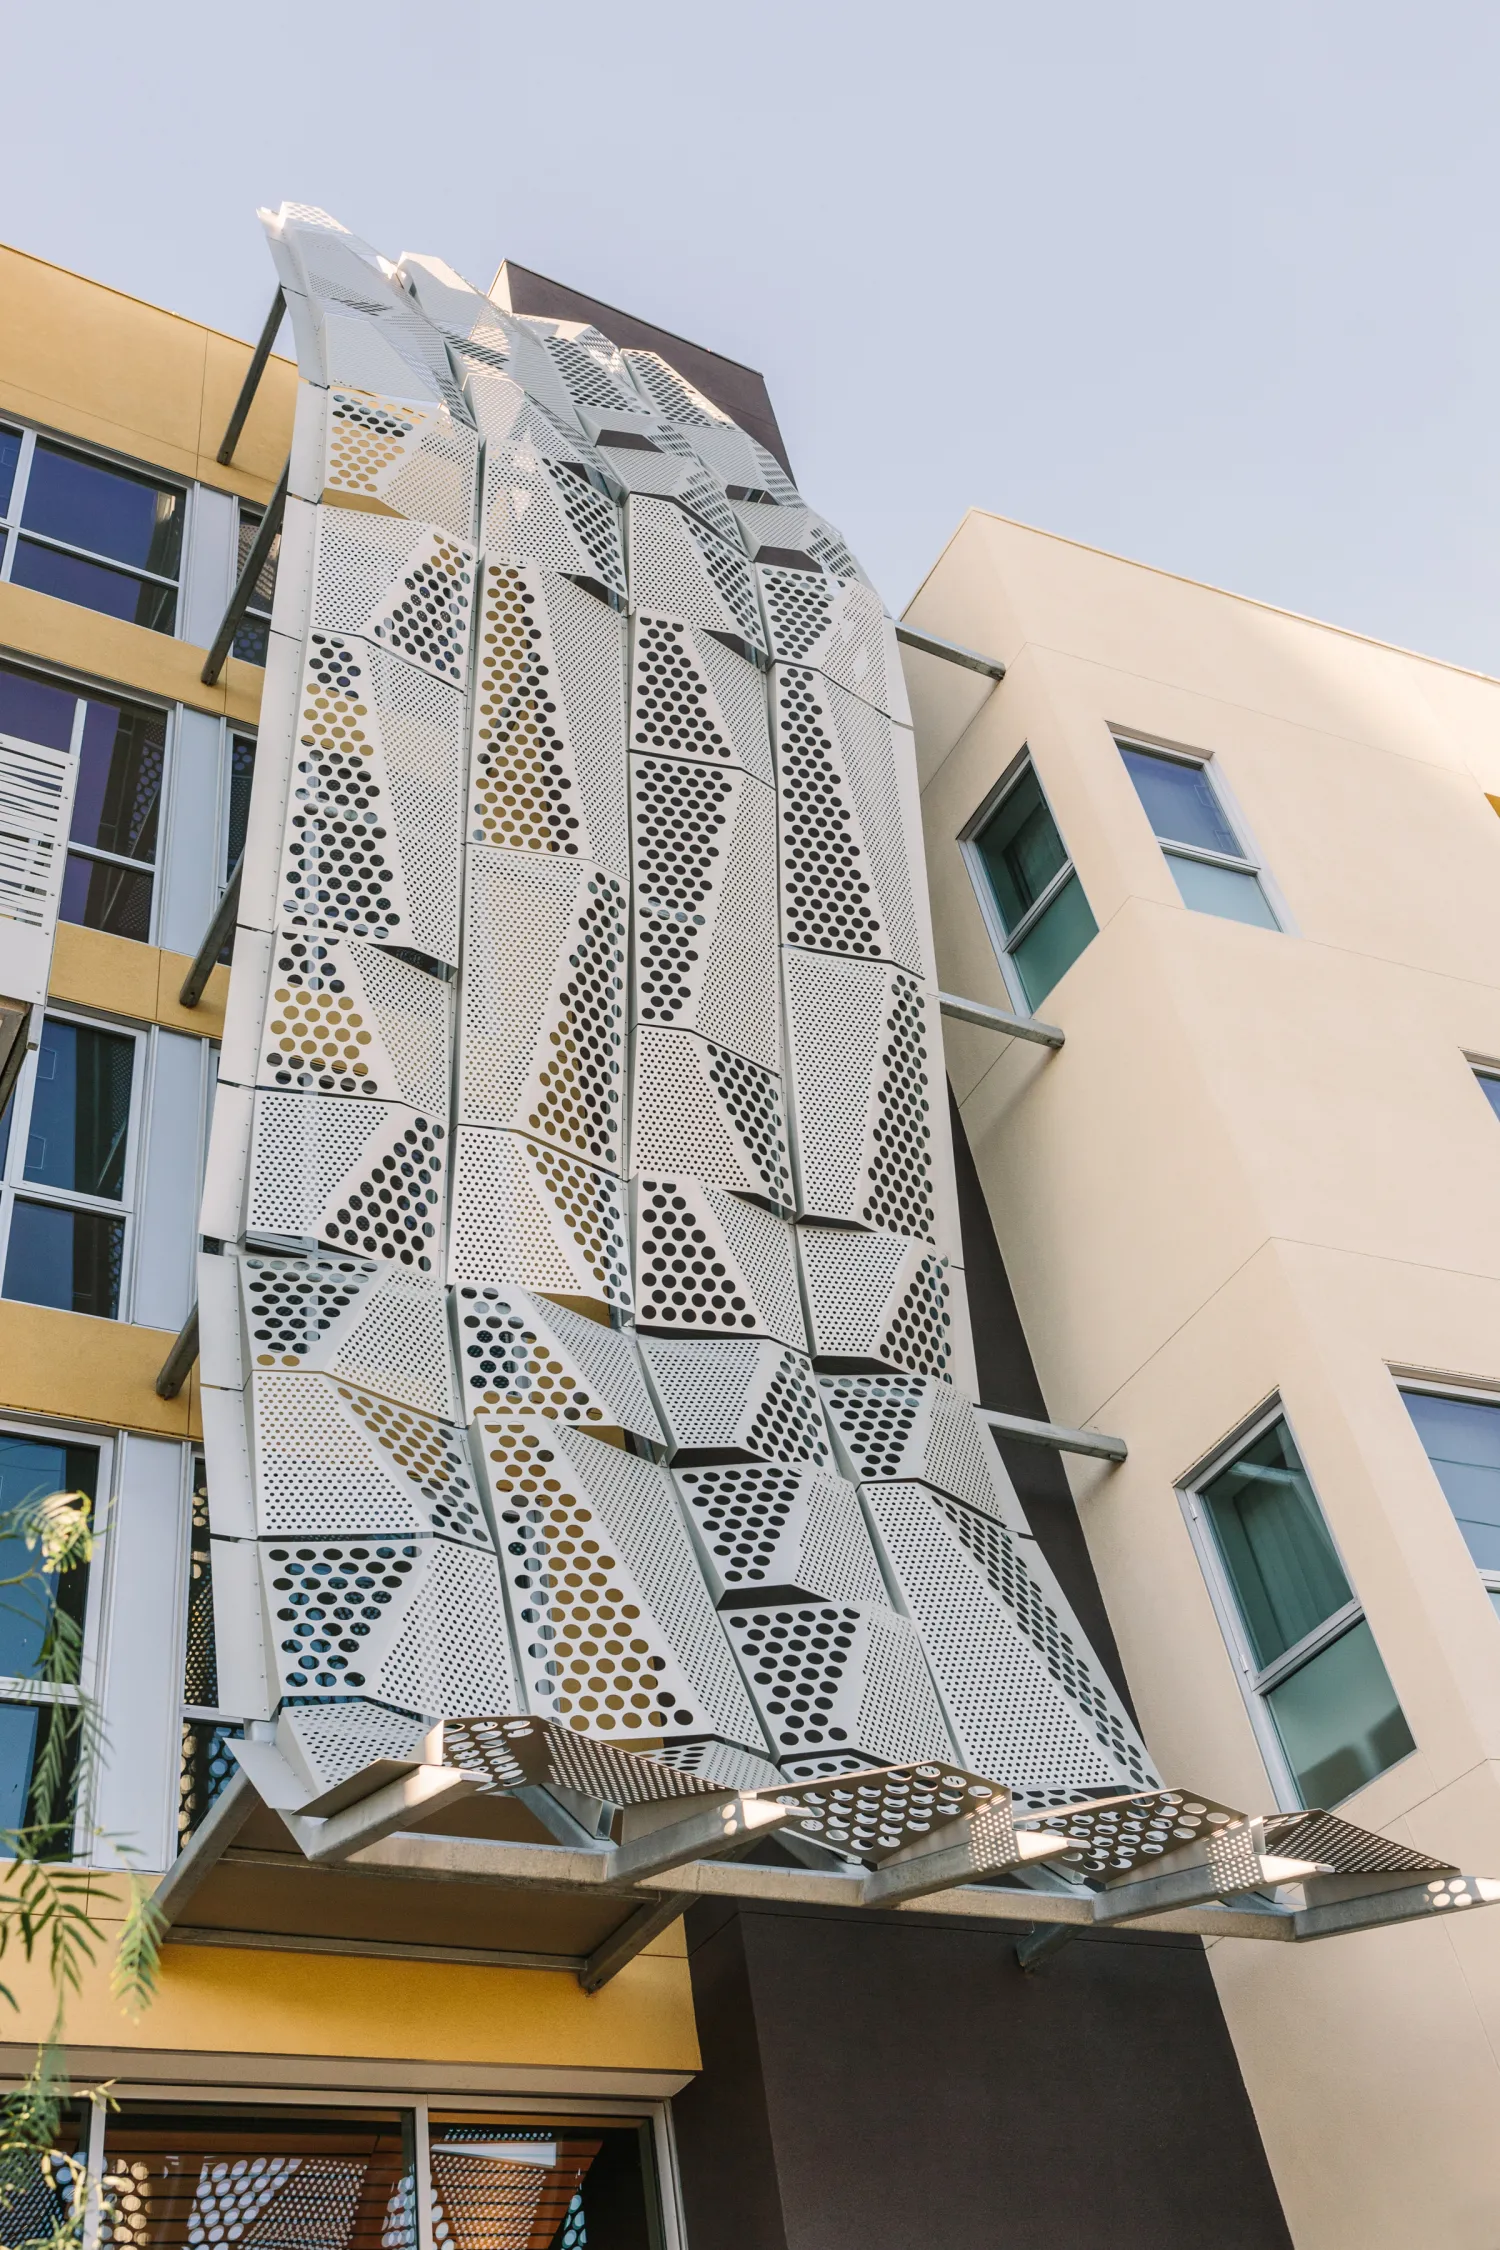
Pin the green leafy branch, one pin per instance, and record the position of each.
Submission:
(45, 1898)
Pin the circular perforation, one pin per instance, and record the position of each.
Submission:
(671, 709)
(899, 1195)
(797, 1659)
(829, 904)
(292, 1305)
(430, 624)
(329, 1600)
(589, 1655)
(583, 1072)
(684, 1282)
(393, 1211)
(742, 1515)
(1114, 1838)
(508, 1363)
(523, 789)
(430, 1456)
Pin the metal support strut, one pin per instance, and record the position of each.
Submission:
(214, 938)
(178, 1364)
(251, 384)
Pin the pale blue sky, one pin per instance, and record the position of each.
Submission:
(1212, 287)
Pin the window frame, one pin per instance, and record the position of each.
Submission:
(13, 531)
(1257, 1682)
(1466, 1394)
(1006, 941)
(395, 2090)
(14, 1185)
(1249, 861)
(84, 694)
(13, 1690)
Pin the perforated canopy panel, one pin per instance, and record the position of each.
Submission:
(582, 1111)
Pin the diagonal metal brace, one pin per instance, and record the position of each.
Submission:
(255, 563)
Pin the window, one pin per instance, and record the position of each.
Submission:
(207, 1762)
(1461, 1437)
(1194, 831)
(81, 528)
(196, 2173)
(1489, 1086)
(1033, 901)
(251, 640)
(66, 1171)
(1321, 1698)
(38, 1671)
(121, 750)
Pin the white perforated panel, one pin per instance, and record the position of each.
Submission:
(539, 508)
(832, 625)
(375, 1325)
(371, 844)
(388, 454)
(850, 827)
(520, 1351)
(681, 569)
(766, 526)
(362, 1176)
(705, 887)
(892, 1427)
(405, 586)
(738, 1399)
(770, 1530)
(741, 462)
(614, 1625)
(693, 697)
(702, 1110)
(340, 1017)
(330, 1459)
(529, 1216)
(708, 1264)
(864, 1060)
(324, 1743)
(666, 392)
(843, 1678)
(542, 1032)
(1026, 1702)
(351, 324)
(548, 770)
(876, 1300)
(418, 1623)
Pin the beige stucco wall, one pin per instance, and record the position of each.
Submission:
(1260, 1165)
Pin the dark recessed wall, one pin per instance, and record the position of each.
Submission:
(740, 391)
(882, 2082)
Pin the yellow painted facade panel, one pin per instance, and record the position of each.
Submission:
(92, 363)
(74, 1368)
(95, 969)
(125, 656)
(231, 2001)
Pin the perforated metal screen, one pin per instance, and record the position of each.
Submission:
(584, 1341)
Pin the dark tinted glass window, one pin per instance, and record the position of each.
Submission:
(1180, 802)
(80, 1111)
(30, 1469)
(1489, 1086)
(1462, 1441)
(241, 779)
(69, 1259)
(10, 454)
(73, 578)
(118, 801)
(36, 710)
(250, 641)
(1283, 1566)
(104, 897)
(106, 510)
(1021, 849)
